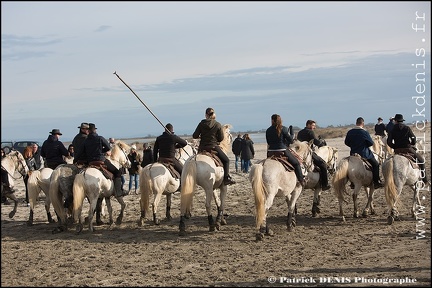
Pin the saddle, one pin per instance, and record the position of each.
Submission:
(208, 151)
(280, 157)
(366, 163)
(100, 165)
(407, 153)
(168, 163)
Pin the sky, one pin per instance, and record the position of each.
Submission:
(327, 61)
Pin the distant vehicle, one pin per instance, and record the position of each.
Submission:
(7, 146)
(21, 145)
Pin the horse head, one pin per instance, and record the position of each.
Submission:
(225, 144)
(119, 153)
(304, 151)
(19, 162)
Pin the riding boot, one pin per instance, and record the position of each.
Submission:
(228, 180)
(8, 189)
(118, 187)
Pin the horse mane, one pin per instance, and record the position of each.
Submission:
(117, 149)
(226, 142)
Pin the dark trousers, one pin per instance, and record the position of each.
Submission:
(110, 167)
(322, 165)
(375, 169)
(178, 166)
(225, 160)
(26, 177)
(296, 164)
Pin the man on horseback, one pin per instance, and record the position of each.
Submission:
(277, 139)
(380, 128)
(402, 140)
(78, 141)
(53, 150)
(211, 134)
(165, 146)
(359, 140)
(307, 134)
(94, 148)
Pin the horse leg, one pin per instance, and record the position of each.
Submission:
(220, 219)
(168, 206)
(369, 194)
(119, 219)
(182, 226)
(316, 202)
(212, 225)
(291, 221)
(47, 208)
(354, 196)
(13, 198)
(99, 211)
(93, 203)
(110, 210)
(155, 205)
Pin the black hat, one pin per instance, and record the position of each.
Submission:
(92, 126)
(399, 118)
(56, 131)
(379, 118)
(84, 125)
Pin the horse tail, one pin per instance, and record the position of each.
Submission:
(188, 184)
(78, 195)
(55, 196)
(33, 187)
(259, 193)
(389, 185)
(340, 178)
(146, 185)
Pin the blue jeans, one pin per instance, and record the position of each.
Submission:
(246, 164)
(237, 160)
(133, 178)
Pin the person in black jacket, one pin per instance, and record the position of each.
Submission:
(53, 150)
(403, 140)
(307, 134)
(147, 155)
(247, 152)
(165, 145)
(380, 128)
(236, 149)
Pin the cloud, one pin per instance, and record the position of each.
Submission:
(103, 28)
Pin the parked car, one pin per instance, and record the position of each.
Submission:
(7, 146)
(21, 145)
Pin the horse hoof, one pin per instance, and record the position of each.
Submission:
(156, 222)
(290, 228)
(269, 232)
(182, 233)
(212, 228)
(223, 221)
(390, 220)
(259, 236)
(79, 228)
(99, 222)
(51, 221)
(58, 229)
(218, 226)
(29, 223)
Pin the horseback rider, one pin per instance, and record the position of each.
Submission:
(359, 140)
(53, 150)
(278, 138)
(380, 128)
(78, 141)
(402, 140)
(211, 134)
(307, 134)
(165, 146)
(94, 148)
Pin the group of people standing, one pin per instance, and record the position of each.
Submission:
(243, 150)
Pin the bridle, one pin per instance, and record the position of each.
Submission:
(20, 162)
(127, 163)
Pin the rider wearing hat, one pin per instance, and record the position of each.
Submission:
(403, 140)
(380, 127)
(53, 150)
(78, 141)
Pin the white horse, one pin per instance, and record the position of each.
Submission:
(270, 179)
(353, 168)
(399, 172)
(92, 184)
(201, 170)
(39, 180)
(12, 162)
(156, 179)
(378, 149)
(330, 156)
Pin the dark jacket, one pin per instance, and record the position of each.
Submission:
(147, 157)
(166, 144)
(135, 160)
(236, 146)
(247, 150)
(380, 129)
(389, 126)
(307, 135)
(210, 132)
(94, 148)
(359, 140)
(276, 142)
(77, 143)
(401, 137)
(53, 151)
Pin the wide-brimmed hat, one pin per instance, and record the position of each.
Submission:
(84, 125)
(399, 118)
(92, 126)
(56, 131)
(379, 118)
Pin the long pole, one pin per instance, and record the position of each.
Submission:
(115, 73)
